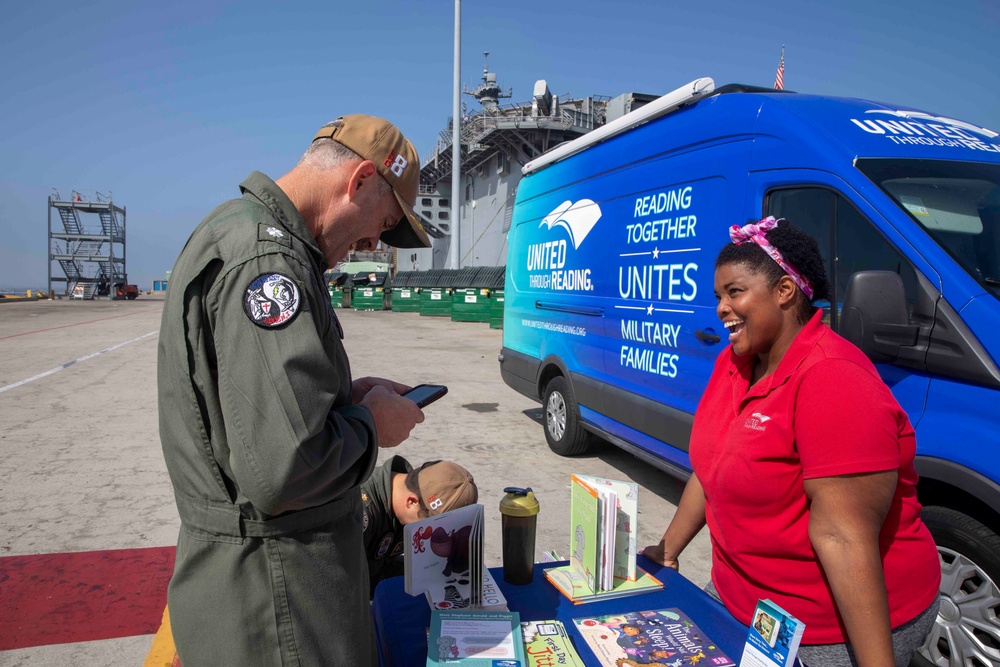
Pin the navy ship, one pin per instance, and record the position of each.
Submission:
(496, 142)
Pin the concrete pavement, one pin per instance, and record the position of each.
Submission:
(82, 469)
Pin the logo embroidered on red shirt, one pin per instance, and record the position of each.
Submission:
(756, 421)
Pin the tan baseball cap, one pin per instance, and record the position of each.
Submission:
(445, 486)
(395, 159)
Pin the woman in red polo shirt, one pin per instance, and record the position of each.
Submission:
(803, 467)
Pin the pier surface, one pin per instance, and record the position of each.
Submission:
(88, 517)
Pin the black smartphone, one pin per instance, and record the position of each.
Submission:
(425, 394)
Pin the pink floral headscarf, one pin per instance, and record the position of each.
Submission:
(754, 231)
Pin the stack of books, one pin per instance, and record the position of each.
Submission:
(603, 528)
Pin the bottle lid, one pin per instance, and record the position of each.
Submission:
(519, 502)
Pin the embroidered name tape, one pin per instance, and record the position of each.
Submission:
(271, 299)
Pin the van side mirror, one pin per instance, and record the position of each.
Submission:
(875, 316)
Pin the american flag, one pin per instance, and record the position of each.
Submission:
(779, 78)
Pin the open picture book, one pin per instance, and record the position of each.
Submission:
(443, 559)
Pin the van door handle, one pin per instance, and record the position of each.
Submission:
(706, 337)
(572, 309)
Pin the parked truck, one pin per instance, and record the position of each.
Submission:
(126, 291)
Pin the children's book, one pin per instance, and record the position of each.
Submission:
(603, 528)
(443, 556)
(476, 639)
(546, 644)
(493, 597)
(585, 526)
(774, 637)
(625, 514)
(458, 594)
(570, 583)
(665, 637)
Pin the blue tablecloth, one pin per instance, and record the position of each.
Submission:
(401, 620)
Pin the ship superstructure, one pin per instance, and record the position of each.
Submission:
(496, 142)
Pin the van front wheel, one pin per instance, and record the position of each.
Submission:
(967, 631)
(563, 430)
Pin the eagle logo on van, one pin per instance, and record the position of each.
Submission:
(577, 219)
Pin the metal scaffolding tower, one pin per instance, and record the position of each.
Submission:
(89, 250)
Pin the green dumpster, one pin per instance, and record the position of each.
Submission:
(406, 292)
(435, 298)
(340, 297)
(471, 300)
(496, 298)
(370, 291)
(339, 287)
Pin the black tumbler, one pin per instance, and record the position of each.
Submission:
(519, 510)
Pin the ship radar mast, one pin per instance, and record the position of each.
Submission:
(488, 93)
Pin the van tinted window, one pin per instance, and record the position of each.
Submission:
(860, 247)
(810, 209)
(848, 241)
(956, 203)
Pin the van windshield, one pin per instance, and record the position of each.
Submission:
(957, 203)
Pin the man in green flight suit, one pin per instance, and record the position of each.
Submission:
(265, 435)
(398, 494)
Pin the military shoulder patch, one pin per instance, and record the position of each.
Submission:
(271, 300)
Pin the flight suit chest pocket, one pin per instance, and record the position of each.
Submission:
(333, 335)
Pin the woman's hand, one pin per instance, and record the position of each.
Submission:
(656, 554)
(688, 520)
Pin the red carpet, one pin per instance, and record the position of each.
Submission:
(75, 597)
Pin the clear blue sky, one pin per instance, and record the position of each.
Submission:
(169, 105)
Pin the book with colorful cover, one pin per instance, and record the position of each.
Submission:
(546, 644)
(626, 515)
(443, 550)
(662, 637)
(584, 532)
(475, 639)
(774, 637)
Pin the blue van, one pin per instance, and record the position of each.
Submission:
(610, 315)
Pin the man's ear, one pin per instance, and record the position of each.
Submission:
(411, 500)
(359, 177)
(411, 508)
